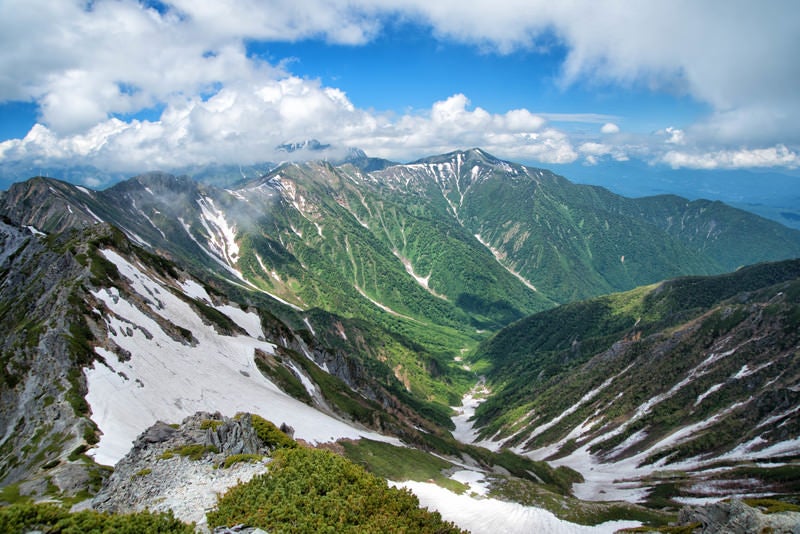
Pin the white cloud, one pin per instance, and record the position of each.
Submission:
(245, 124)
(609, 128)
(675, 136)
(593, 152)
(777, 156)
(84, 63)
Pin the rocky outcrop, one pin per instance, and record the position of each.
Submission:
(181, 468)
(735, 517)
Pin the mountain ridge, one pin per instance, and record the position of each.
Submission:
(358, 296)
(679, 376)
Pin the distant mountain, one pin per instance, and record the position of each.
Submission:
(771, 194)
(689, 375)
(464, 240)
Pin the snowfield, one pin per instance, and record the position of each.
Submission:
(167, 379)
(490, 516)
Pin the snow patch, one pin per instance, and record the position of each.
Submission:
(152, 223)
(474, 479)
(489, 516)
(620, 480)
(708, 392)
(308, 324)
(307, 384)
(421, 280)
(385, 308)
(35, 232)
(465, 431)
(194, 290)
(93, 214)
(136, 238)
(251, 322)
(572, 409)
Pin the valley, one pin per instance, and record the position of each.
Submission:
(545, 351)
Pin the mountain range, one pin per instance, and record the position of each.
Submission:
(363, 299)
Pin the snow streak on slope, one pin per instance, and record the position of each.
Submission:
(168, 378)
(421, 280)
(222, 236)
(497, 256)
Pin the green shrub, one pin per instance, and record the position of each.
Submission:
(141, 473)
(772, 506)
(270, 434)
(213, 424)
(311, 490)
(57, 519)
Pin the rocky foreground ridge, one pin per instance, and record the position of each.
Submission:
(184, 467)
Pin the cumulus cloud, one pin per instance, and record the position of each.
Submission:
(674, 136)
(594, 152)
(609, 128)
(777, 156)
(88, 65)
(245, 124)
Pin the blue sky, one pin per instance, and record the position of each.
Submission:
(406, 67)
(127, 86)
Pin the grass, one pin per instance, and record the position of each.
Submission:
(681, 529)
(271, 435)
(400, 463)
(194, 451)
(271, 367)
(141, 473)
(234, 459)
(569, 508)
(10, 495)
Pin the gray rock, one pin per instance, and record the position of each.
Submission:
(735, 517)
(234, 436)
(157, 433)
(148, 478)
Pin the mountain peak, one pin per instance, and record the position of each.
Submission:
(472, 155)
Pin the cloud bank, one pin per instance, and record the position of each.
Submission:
(92, 67)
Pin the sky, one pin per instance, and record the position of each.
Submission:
(129, 86)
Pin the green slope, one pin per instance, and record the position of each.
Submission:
(647, 340)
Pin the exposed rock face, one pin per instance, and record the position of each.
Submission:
(155, 476)
(42, 418)
(735, 517)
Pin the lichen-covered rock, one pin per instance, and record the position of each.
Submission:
(735, 517)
